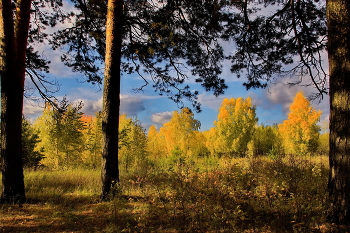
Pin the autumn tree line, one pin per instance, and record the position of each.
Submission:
(63, 139)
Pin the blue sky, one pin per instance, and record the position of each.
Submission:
(272, 103)
(147, 106)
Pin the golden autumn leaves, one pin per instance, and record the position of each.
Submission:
(236, 133)
(300, 131)
(234, 127)
(76, 139)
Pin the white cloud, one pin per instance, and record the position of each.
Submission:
(131, 105)
(161, 117)
(210, 101)
(32, 110)
(90, 107)
(84, 93)
(281, 93)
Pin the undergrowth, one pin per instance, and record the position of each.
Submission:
(279, 194)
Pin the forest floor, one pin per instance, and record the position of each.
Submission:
(231, 195)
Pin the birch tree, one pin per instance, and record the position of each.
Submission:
(233, 128)
(300, 132)
(179, 132)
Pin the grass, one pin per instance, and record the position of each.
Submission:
(190, 195)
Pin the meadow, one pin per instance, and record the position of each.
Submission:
(263, 194)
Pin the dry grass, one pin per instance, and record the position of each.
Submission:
(193, 195)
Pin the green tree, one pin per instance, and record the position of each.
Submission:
(233, 128)
(32, 155)
(30, 138)
(300, 131)
(265, 141)
(61, 135)
(133, 144)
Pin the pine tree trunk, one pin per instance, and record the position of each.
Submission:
(12, 69)
(338, 16)
(111, 98)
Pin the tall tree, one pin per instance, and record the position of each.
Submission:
(13, 44)
(111, 99)
(338, 16)
(155, 35)
(61, 134)
(18, 58)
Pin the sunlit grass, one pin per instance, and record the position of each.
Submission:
(285, 194)
(53, 184)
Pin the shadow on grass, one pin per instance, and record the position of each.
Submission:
(140, 214)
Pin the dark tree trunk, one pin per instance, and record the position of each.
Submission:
(13, 49)
(338, 15)
(111, 98)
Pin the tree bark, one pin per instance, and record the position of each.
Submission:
(111, 98)
(338, 16)
(12, 70)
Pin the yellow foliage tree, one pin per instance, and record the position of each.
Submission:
(233, 129)
(300, 131)
(199, 147)
(179, 132)
(156, 145)
(92, 134)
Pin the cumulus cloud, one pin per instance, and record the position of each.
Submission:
(280, 93)
(210, 101)
(90, 107)
(161, 117)
(283, 94)
(129, 105)
(32, 110)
